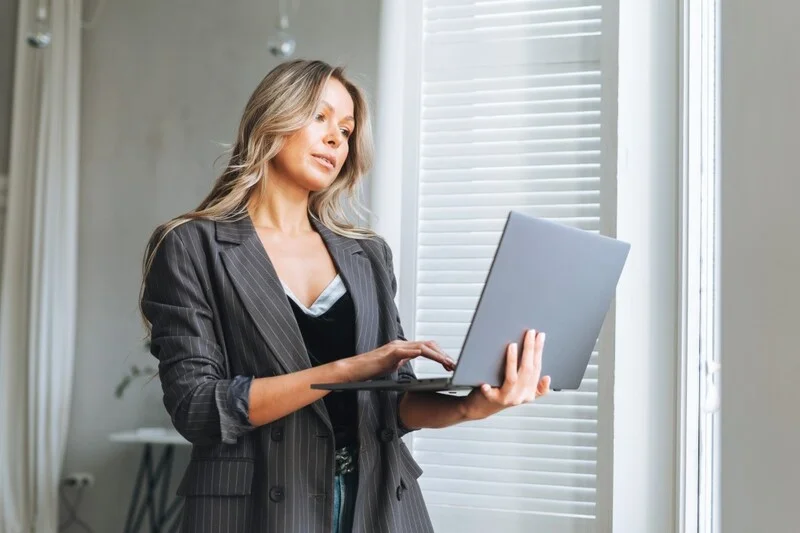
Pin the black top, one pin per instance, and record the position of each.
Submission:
(329, 337)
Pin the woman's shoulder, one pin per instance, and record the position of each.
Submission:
(181, 234)
(380, 253)
(374, 242)
(186, 232)
(196, 228)
(376, 246)
(354, 236)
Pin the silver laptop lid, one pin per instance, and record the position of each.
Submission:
(550, 277)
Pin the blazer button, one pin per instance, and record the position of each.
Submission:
(386, 435)
(277, 434)
(276, 494)
(399, 492)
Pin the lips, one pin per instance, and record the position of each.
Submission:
(325, 160)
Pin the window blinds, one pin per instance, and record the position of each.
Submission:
(510, 119)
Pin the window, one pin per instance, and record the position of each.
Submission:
(510, 116)
(700, 387)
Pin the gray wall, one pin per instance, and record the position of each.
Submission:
(760, 287)
(8, 36)
(163, 82)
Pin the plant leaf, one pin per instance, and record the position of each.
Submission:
(122, 386)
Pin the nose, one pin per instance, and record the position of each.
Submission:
(333, 137)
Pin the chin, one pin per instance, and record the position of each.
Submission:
(317, 183)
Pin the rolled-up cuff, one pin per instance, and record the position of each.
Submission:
(234, 409)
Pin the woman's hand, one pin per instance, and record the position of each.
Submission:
(389, 357)
(523, 382)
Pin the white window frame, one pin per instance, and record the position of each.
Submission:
(646, 362)
(643, 110)
(698, 487)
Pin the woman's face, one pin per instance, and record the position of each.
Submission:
(312, 157)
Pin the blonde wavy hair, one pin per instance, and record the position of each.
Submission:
(283, 102)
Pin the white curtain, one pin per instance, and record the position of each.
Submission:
(39, 278)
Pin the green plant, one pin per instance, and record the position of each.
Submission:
(134, 373)
(128, 378)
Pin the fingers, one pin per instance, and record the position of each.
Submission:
(512, 357)
(501, 399)
(523, 381)
(504, 396)
(538, 350)
(428, 349)
(532, 347)
(543, 387)
(438, 356)
(530, 368)
(492, 394)
(400, 363)
(404, 354)
(527, 350)
(435, 346)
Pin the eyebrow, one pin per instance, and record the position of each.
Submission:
(348, 117)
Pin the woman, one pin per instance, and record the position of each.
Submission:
(266, 289)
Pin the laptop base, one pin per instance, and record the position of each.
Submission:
(430, 384)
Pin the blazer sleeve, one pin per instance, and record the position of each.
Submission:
(191, 364)
(406, 369)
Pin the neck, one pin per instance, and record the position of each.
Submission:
(280, 205)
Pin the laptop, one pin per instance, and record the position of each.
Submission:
(546, 276)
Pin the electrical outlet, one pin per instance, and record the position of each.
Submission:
(79, 479)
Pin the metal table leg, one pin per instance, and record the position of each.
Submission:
(150, 476)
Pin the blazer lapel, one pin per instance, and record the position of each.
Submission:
(259, 288)
(356, 271)
(262, 294)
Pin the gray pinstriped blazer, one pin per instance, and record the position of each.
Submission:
(218, 310)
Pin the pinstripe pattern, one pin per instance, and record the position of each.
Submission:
(219, 310)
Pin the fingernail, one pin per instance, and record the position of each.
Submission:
(544, 335)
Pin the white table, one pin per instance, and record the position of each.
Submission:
(152, 435)
(153, 474)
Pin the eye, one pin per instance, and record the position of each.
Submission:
(319, 117)
(345, 132)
